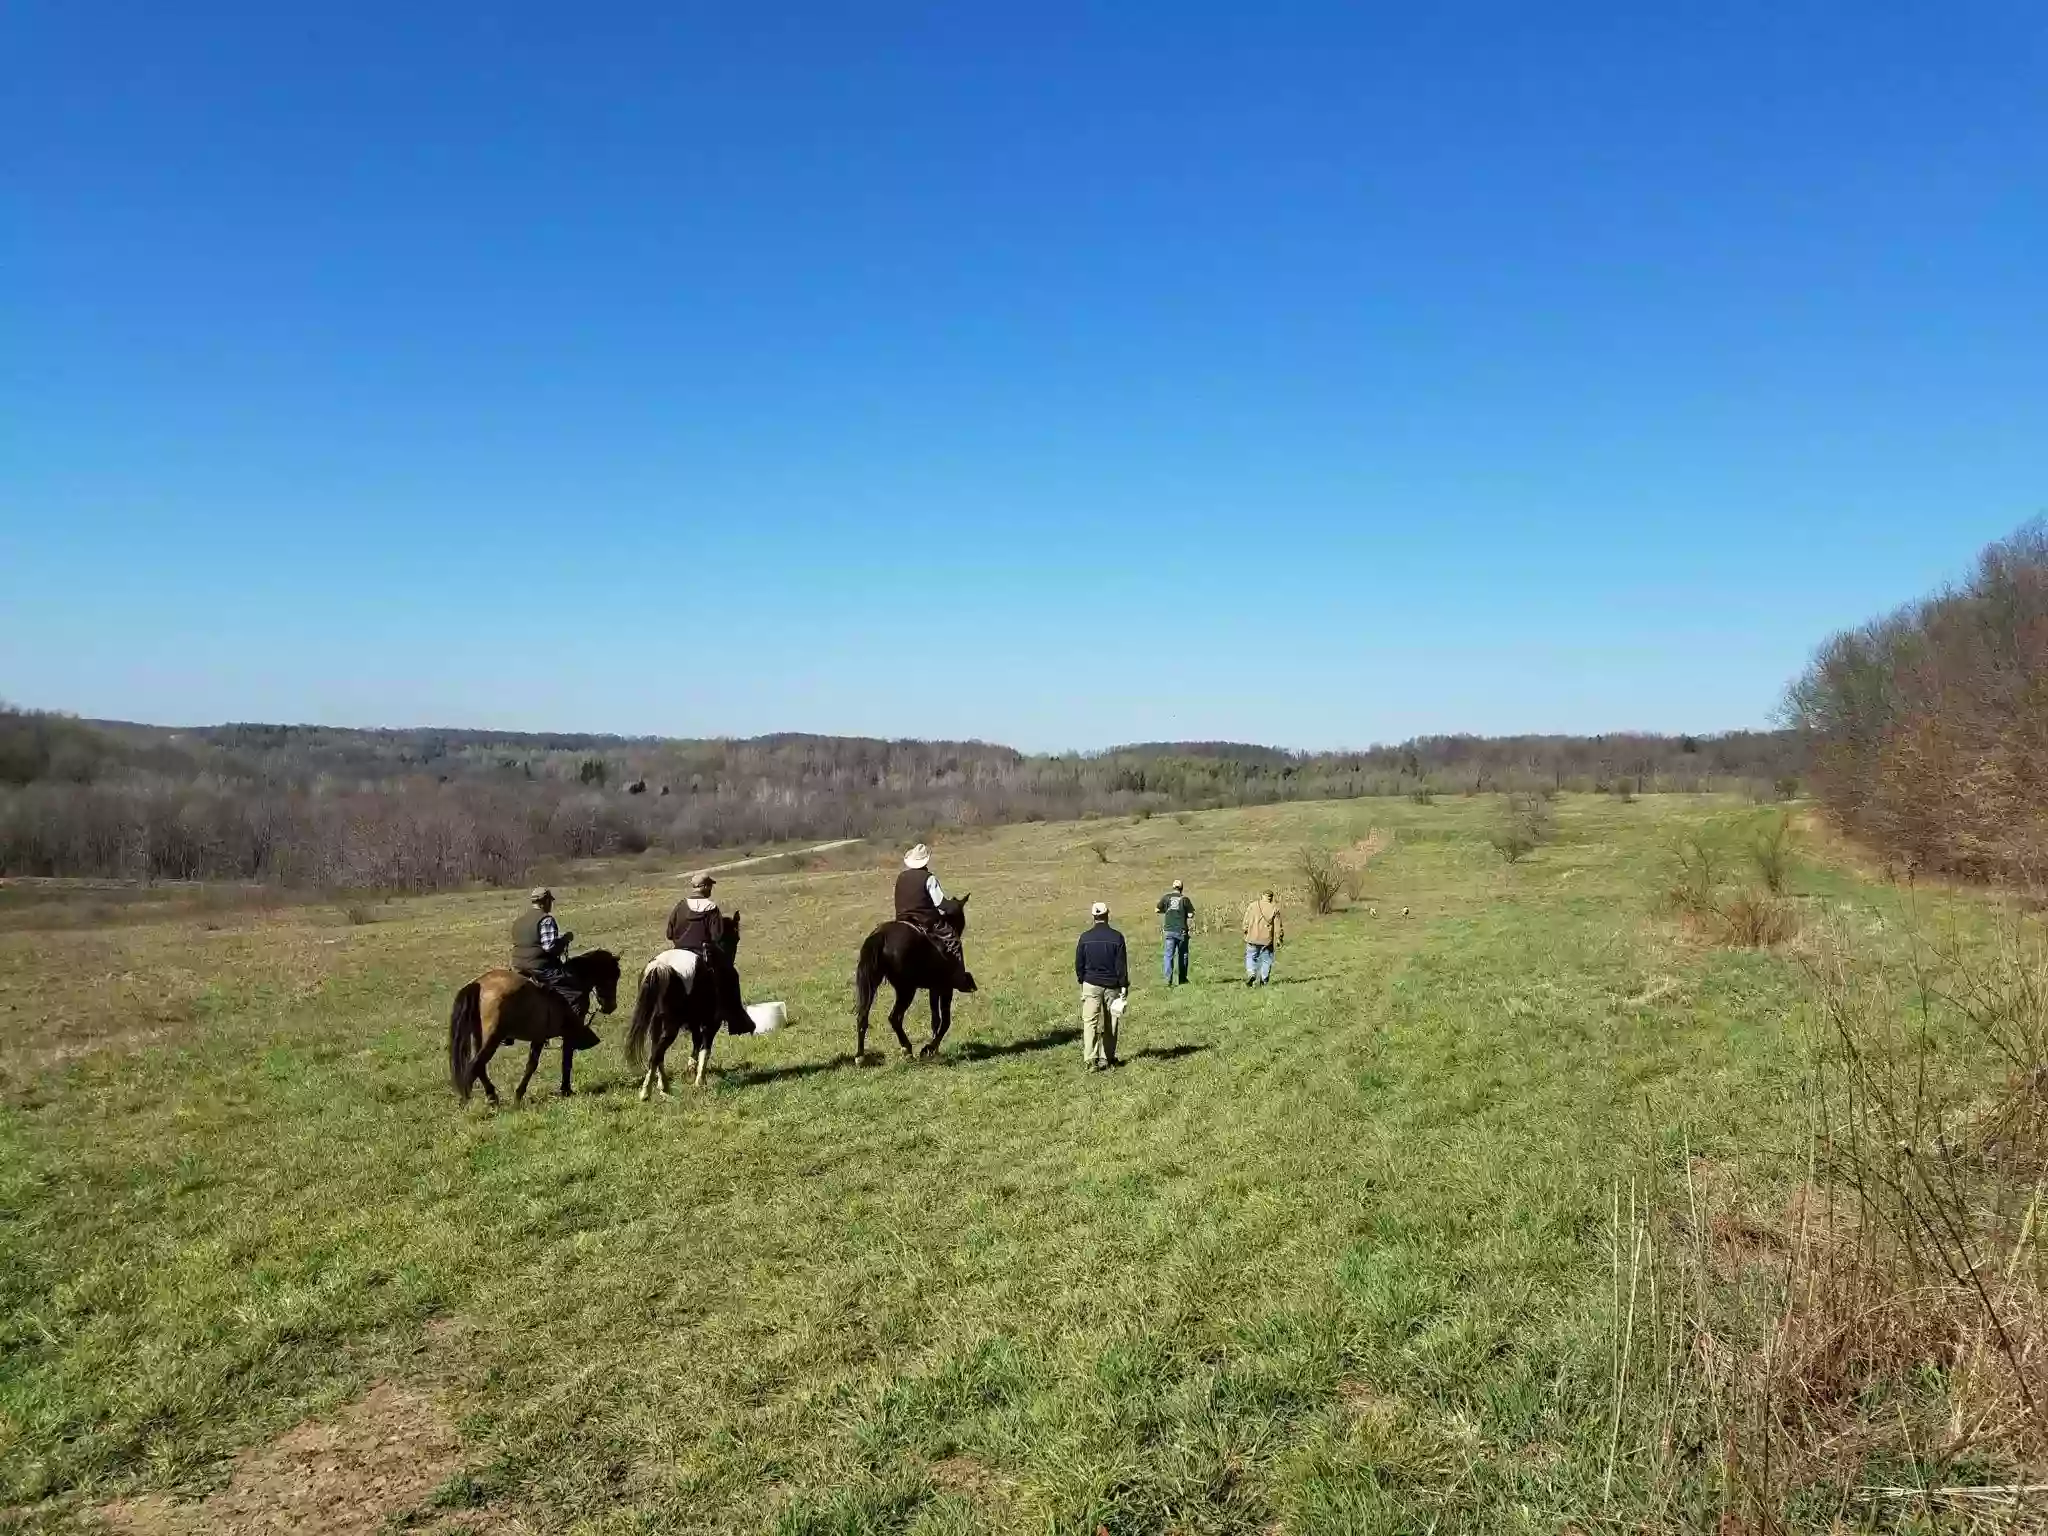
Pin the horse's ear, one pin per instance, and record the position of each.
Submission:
(963, 899)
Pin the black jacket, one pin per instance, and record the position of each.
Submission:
(703, 931)
(1100, 960)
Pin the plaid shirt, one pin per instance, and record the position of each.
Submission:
(550, 935)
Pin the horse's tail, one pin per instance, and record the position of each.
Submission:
(867, 975)
(465, 1037)
(652, 986)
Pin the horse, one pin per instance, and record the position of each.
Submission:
(668, 1005)
(900, 955)
(503, 1005)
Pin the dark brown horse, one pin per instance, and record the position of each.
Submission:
(900, 955)
(503, 1005)
(667, 1007)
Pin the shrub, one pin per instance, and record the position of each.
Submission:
(1525, 825)
(1320, 878)
(1695, 878)
(1422, 794)
(1352, 877)
(1755, 920)
(1770, 853)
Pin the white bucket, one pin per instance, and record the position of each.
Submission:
(768, 1016)
(1117, 1005)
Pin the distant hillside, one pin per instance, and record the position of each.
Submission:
(417, 809)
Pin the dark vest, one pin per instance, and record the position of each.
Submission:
(911, 895)
(526, 950)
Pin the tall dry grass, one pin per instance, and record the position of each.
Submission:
(1872, 1352)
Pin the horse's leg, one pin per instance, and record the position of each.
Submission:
(702, 1055)
(477, 1074)
(664, 1036)
(568, 1064)
(942, 1015)
(904, 997)
(532, 1062)
(931, 996)
(862, 1003)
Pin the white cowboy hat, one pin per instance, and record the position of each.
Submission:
(1100, 909)
(918, 857)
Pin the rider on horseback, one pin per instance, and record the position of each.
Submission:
(918, 897)
(698, 926)
(539, 947)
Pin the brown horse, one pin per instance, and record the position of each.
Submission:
(503, 1005)
(899, 954)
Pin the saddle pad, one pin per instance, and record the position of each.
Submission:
(683, 962)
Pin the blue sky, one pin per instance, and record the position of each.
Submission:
(1061, 375)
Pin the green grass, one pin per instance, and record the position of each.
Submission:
(1333, 1256)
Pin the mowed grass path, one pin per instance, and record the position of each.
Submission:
(1333, 1256)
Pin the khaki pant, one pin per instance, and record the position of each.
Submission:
(1098, 1024)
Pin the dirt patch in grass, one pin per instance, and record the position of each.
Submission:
(380, 1458)
(976, 1480)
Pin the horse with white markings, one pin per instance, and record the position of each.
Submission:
(678, 993)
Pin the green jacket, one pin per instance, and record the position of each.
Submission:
(1175, 910)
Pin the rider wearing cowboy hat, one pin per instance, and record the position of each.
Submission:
(918, 898)
(698, 926)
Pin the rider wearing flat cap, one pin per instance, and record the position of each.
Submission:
(540, 945)
(698, 926)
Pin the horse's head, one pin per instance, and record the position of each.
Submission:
(953, 913)
(730, 944)
(601, 969)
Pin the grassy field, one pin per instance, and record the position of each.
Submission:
(1333, 1256)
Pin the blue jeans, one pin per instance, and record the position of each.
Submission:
(1176, 945)
(1258, 961)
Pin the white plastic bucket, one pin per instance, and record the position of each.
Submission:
(768, 1016)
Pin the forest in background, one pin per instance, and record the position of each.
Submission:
(411, 810)
(1929, 726)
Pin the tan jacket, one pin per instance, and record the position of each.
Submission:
(1262, 925)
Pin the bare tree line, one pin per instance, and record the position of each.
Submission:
(1929, 727)
(417, 810)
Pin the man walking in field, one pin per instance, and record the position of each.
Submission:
(1263, 933)
(1103, 969)
(1175, 915)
